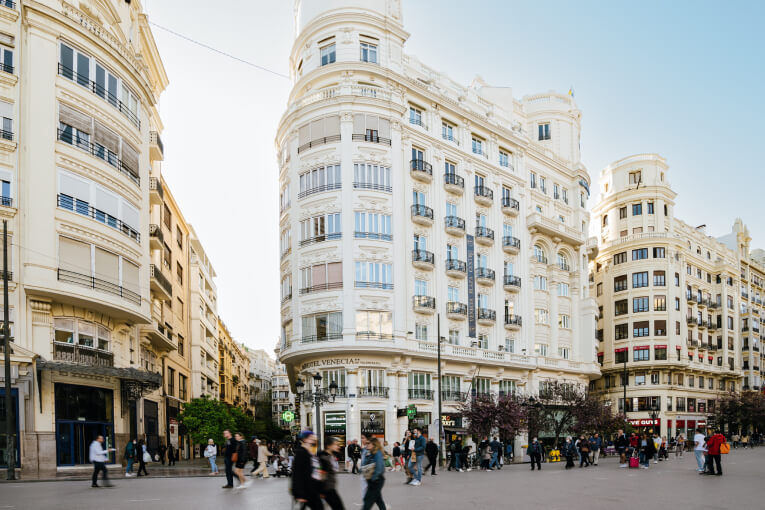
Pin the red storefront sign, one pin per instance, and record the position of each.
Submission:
(661, 346)
(711, 358)
(600, 353)
(644, 422)
(621, 349)
(678, 348)
(641, 348)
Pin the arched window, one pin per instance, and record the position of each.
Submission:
(605, 220)
(539, 254)
(563, 261)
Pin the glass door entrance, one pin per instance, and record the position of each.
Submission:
(73, 440)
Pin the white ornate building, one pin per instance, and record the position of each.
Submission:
(409, 199)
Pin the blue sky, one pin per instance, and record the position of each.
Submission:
(678, 78)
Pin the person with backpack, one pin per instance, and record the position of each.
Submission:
(535, 453)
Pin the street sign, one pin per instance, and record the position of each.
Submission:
(411, 411)
(288, 416)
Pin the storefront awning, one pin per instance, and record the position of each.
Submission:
(125, 374)
(455, 430)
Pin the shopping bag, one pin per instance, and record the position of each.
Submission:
(634, 462)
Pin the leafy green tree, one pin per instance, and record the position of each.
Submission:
(205, 418)
(243, 423)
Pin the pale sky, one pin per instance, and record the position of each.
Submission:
(680, 78)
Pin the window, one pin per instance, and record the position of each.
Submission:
(620, 356)
(660, 303)
(415, 117)
(454, 336)
(659, 354)
(372, 226)
(564, 352)
(621, 331)
(371, 176)
(660, 327)
(181, 346)
(640, 354)
(599, 289)
(541, 316)
(421, 332)
(317, 180)
(447, 131)
(677, 279)
(322, 326)
(640, 254)
(320, 228)
(532, 180)
(649, 205)
(620, 258)
(640, 304)
(374, 275)
(639, 378)
(563, 289)
(171, 381)
(179, 272)
(634, 177)
(543, 185)
(563, 262)
(507, 387)
(368, 53)
(179, 236)
(564, 321)
(6, 55)
(539, 254)
(540, 283)
(477, 145)
(637, 209)
(328, 54)
(658, 279)
(605, 220)
(622, 213)
(640, 329)
(556, 190)
(544, 131)
(659, 252)
(640, 280)
(620, 307)
(373, 324)
(504, 158)
(540, 349)
(79, 332)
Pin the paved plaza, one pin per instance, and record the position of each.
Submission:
(673, 483)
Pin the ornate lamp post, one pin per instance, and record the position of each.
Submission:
(318, 397)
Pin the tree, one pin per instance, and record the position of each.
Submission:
(557, 408)
(205, 418)
(481, 414)
(593, 415)
(511, 417)
(741, 412)
(243, 423)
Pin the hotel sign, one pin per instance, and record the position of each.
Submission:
(471, 286)
(337, 362)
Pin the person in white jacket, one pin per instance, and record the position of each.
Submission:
(263, 456)
(210, 452)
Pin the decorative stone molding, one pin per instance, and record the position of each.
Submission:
(41, 312)
(88, 235)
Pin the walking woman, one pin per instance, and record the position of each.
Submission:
(373, 469)
(330, 466)
(647, 450)
(584, 451)
(680, 445)
(305, 473)
(569, 450)
(210, 453)
(142, 456)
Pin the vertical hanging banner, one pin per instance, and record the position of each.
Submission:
(471, 286)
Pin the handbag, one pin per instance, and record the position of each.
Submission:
(146, 457)
(367, 470)
(413, 458)
(235, 457)
(724, 448)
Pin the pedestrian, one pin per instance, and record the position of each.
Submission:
(663, 455)
(657, 446)
(170, 455)
(373, 469)
(509, 451)
(699, 450)
(229, 458)
(240, 460)
(252, 451)
(143, 457)
(417, 446)
(495, 447)
(569, 451)
(745, 441)
(735, 439)
(680, 445)
(483, 452)
(407, 454)
(355, 456)
(99, 456)
(263, 455)
(349, 455)
(210, 453)
(396, 456)
(130, 457)
(431, 451)
(455, 449)
(465, 457)
(596, 443)
(305, 473)
(647, 450)
(535, 453)
(161, 450)
(713, 453)
(584, 451)
(329, 466)
(621, 448)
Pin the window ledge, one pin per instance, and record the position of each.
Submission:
(9, 14)
(8, 79)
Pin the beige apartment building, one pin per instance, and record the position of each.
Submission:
(233, 370)
(679, 310)
(203, 303)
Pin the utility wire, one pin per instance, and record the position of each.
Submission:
(247, 62)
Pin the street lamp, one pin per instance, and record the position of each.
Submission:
(654, 417)
(318, 397)
(441, 438)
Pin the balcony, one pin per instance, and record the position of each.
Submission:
(370, 138)
(483, 196)
(422, 214)
(64, 275)
(692, 321)
(692, 343)
(555, 229)
(703, 325)
(484, 275)
(454, 225)
(326, 337)
(82, 355)
(156, 192)
(453, 183)
(78, 206)
(690, 298)
(453, 396)
(456, 311)
(424, 304)
(513, 322)
(511, 244)
(486, 317)
(712, 326)
(510, 206)
(456, 268)
(421, 170)
(156, 147)
(159, 283)
(159, 336)
(422, 259)
(321, 287)
(420, 394)
(322, 141)
(512, 283)
(332, 236)
(703, 302)
(95, 150)
(484, 236)
(713, 305)
(376, 392)
(156, 238)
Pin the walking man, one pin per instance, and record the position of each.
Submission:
(699, 449)
(535, 452)
(713, 453)
(415, 461)
(130, 457)
(621, 448)
(595, 444)
(263, 455)
(496, 447)
(229, 449)
(99, 456)
(355, 453)
(431, 450)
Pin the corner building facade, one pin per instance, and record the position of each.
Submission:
(670, 316)
(409, 201)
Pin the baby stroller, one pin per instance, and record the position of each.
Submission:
(282, 468)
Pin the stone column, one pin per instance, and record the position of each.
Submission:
(352, 417)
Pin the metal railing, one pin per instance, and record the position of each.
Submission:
(420, 394)
(319, 189)
(424, 302)
(64, 275)
(456, 307)
(82, 354)
(156, 273)
(380, 392)
(321, 238)
(484, 272)
(6, 201)
(485, 232)
(156, 185)
(453, 396)
(456, 265)
(513, 320)
(511, 203)
(454, 222)
(370, 138)
(100, 92)
(373, 235)
(450, 137)
(423, 256)
(422, 210)
(156, 232)
(454, 179)
(321, 287)
(84, 208)
(372, 186)
(319, 141)
(373, 285)
(6, 135)
(419, 165)
(321, 338)
(487, 314)
(371, 335)
(417, 122)
(483, 191)
(101, 153)
(513, 280)
(156, 139)
(512, 242)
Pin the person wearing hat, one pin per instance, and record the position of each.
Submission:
(210, 452)
(306, 474)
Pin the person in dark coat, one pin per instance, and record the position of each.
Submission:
(229, 449)
(431, 452)
(584, 451)
(305, 487)
(161, 450)
(329, 466)
(253, 451)
(535, 454)
(647, 450)
(139, 456)
(170, 455)
(569, 451)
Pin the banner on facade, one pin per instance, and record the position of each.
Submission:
(373, 422)
(471, 286)
(334, 423)
(173, 428)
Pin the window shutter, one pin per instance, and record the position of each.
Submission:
(130, 215)
(317, 129)
(106, 137)
(332, 126)
(130, 276)
(359, 124)
(107, 266)
(74, 118)
(384, 128)
(74, 256)
(319, 275)
(74, 187)
(130, 157)
(6, 109)
(304, 134)
(335, 272)
(372, 122)
(107, 202)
